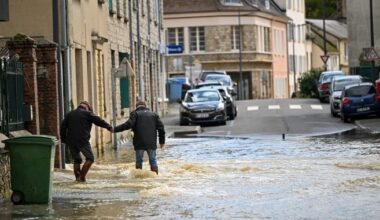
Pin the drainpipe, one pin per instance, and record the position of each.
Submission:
(140, 78)
(66, 56)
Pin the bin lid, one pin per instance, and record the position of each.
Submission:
(32, 139)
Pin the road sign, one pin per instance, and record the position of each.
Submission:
(325, 58)
(173, 49)
(370, 54)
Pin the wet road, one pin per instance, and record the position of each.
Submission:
(329, 177)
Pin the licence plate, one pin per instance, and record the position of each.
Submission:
(201, 115)
(363, 109)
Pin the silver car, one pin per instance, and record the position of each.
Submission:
(337, 85)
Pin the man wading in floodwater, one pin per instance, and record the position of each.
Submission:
(75, 131)
(145, 124)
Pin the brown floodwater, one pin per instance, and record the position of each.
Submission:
(326, 177)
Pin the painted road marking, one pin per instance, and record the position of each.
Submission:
(295, 107)
(252, 108)
(271, 107)
(317, 107)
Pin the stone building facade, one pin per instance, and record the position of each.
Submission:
(209, 32)
(93, 37)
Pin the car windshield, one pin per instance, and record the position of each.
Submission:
(340, 84)
(328, 78)
(202, 96)
(225, 80)
(358, 91)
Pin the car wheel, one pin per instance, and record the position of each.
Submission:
(232, 114)
(343, 118)
(333, 113)
(224, 122)
(17, 197)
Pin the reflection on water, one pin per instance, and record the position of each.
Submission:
(329, 177)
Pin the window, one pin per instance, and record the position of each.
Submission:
(125, 11)
(124, 85)
(267, 4)
(235, 38)
(266, 40)
(134, 5)
(119, 9)
(156, 10)
(113, 62)
(197, 38)
(143, 7)
(175, 36)
(111, 5)
(231, 2)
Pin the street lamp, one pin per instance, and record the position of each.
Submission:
(372, 38)
(240, 59)
(324, 33)
(293, 26)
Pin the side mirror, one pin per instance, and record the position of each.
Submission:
(233, 93)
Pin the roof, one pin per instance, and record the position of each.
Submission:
(196, 6)
(333, 27)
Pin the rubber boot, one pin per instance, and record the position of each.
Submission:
(86, 166)
(154, 169)
(77, 171)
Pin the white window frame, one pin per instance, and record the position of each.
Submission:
(232, 2)
(198, 39)
(235, 38)
(178, 38)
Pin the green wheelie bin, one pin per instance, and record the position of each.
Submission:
(32, 165)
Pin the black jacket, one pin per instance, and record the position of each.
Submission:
(76, 126)
(145, 124)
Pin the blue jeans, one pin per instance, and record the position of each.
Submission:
(140, 158)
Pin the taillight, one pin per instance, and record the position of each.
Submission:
(345, 101)
(378, 98)
(324, 86)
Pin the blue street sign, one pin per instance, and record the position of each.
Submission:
(174, 48)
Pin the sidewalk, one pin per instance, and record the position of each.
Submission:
(372, 125)
(171, 122)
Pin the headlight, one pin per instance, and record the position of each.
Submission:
(220, 107)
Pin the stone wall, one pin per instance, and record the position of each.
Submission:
(5, 181)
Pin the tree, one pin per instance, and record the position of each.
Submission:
(314, 8)
(308, 84)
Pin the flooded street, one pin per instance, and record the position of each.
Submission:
(329, 177)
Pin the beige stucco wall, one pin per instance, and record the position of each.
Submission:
(93, 84)
(33, 18)
(280, 63)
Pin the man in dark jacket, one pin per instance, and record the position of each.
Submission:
(75, 132)
(145, 124)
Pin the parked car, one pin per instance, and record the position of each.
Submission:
(208, 83)
(323, 84)
(225, 80)
(203, 74)
(202, 106)
(337, 85)
(230, 102)
(359, 100)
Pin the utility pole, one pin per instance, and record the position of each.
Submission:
(241, 88)
(294, 60)
(372, 39)
(324, 32)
